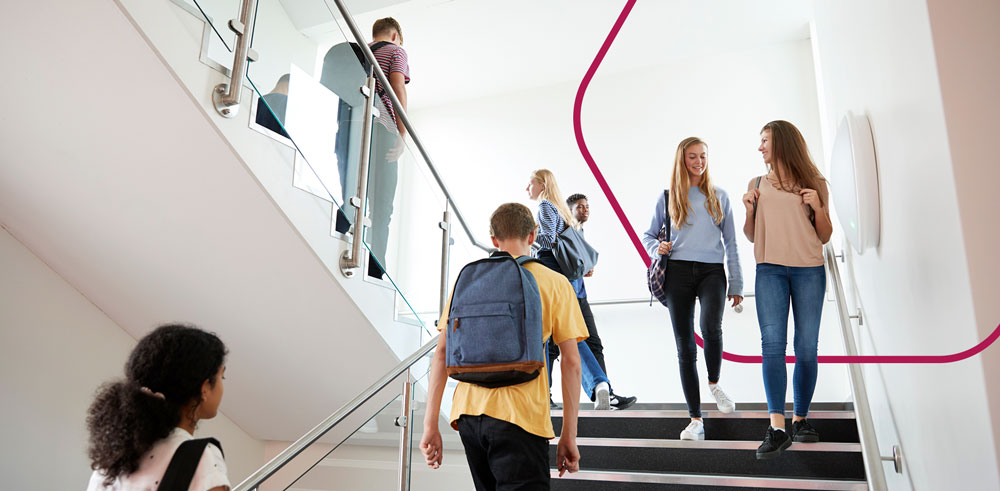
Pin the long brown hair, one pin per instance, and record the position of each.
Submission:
(680, 184)
(789, 150)
(550, 192)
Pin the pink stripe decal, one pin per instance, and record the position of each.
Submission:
(578, 129)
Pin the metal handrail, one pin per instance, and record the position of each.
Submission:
(871, 454)
(227, 99)
(401, 113)
(293, 450)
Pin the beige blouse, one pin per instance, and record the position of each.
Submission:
(783, 232)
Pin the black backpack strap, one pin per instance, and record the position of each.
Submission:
(666, 212)
(757, 186)
(527, 259)
(375, 47)
(184, 463)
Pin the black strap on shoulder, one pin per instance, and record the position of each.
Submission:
(756, 186)
(184, 463)
(666, 212)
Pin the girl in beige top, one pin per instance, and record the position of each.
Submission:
(788, 221)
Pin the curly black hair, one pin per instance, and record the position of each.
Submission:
(124, 421)
(573, 198)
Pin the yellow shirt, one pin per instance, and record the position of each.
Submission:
(527, 404)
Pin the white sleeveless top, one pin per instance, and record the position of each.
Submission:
(211, 472)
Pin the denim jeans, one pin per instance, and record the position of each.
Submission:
(777, 288)
(706, 282)
(592, 373)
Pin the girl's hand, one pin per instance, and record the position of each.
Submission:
(737, 299)
(811, 198)
(750, 198)
(664, 247)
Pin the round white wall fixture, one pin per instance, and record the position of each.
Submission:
(854, 182)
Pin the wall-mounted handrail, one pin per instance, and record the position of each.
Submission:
(863, 414)
(293, 450)
(397, 107)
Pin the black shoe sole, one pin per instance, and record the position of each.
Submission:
(774, 453)
(805, 438)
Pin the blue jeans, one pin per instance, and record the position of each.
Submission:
(776, 288)
(592, 373)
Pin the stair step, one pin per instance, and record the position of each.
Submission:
(652, 481)
(833, 426)
(744, 406)
(801, 460)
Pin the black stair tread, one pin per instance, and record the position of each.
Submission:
(690, 459)
(639, 443)
(619, 424)
(706, 413)
(743, 406)
(643, 481)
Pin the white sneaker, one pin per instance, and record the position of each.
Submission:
(724, 403)
(694, 431)
(603, 402)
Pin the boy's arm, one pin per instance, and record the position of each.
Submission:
(567, 455)
(430, 444)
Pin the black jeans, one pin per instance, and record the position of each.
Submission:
(706, 282)
(502, 456)
(593, 341)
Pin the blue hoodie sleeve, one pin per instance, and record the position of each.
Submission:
(729, 241)
(649, 239)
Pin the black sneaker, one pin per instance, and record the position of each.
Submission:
(775, 442)
(622, 402)
(553, 405)
(803, 432)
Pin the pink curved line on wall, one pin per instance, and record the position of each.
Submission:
(578, 129)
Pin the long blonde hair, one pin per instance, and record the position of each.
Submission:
(680, 184)
(551, 193)
(789, 148)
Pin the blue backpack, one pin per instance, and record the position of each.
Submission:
(494, 332)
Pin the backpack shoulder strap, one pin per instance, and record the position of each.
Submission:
(184, 463)
(527, 259)
(666, 211)
(378, 45)
(756, 186)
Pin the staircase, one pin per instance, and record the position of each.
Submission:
(639, 450)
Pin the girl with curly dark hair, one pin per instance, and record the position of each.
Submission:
(173, 379)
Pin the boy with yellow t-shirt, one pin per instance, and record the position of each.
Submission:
(505, 431)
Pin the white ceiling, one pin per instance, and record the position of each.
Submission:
(462, 49)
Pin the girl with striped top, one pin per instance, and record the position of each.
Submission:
(553, 218)
(701, 235)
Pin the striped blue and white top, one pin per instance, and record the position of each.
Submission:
(550, 225)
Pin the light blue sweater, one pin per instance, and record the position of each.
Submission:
(700, 239)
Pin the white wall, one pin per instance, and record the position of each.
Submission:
(878, 58)
(487, 148)
(633, 120)
(966, 41)
(56, 348)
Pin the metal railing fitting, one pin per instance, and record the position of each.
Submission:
(227, 98)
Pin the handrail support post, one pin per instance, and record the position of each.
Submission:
(226, 99)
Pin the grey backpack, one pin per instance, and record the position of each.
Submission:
(494, 332)
(574, 254)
